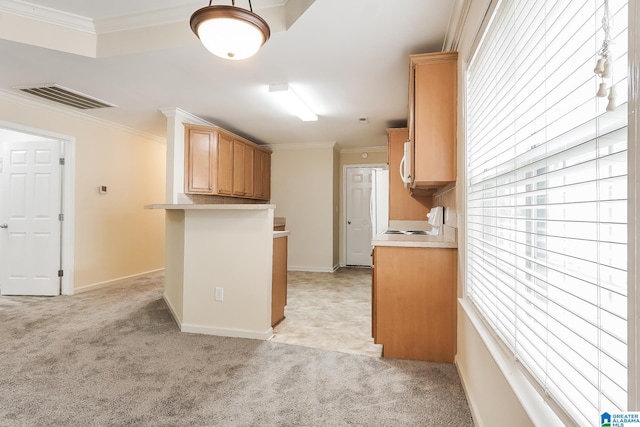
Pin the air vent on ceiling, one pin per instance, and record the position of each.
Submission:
(66, 96)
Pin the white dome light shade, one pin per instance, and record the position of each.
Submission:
(230, 32)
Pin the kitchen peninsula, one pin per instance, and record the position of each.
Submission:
(218, 267)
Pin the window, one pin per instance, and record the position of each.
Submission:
(547, 198)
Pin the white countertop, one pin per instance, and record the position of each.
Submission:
(446, 240)
(277, 234)
(185, 206)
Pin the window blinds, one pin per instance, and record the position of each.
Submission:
(546, 198)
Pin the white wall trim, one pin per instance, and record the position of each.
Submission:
(313, 269)
(301, 146)
(172, 310)
(227, 332)
(68, 111)
(539, 411)
(48, 15)
(185, 116)
(633, 208)
(117, 281)
(357, 150)
(473, 408)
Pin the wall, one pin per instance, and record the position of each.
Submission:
(115, 236)
(302, 188)
(375, 155)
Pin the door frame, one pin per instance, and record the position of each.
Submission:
(344, 201)
(68, 175)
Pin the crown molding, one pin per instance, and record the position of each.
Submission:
(148, 19)
(375, 149)
(301, 146)
(184, 116)
(44, 14)
(68, 111)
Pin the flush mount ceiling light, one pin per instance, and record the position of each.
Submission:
(292, 102)
(230, 32)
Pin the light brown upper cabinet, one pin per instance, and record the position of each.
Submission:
(224, 164)
(199, 160)
(220, 163)
(243, 158)
(262, 175)
(433, 95)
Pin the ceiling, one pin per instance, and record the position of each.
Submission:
(347, 58)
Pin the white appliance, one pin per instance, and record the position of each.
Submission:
(379, 207)
(436, 219)
(405, 165)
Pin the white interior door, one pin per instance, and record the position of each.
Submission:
(30, 233)
(358, 227)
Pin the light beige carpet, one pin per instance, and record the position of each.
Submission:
(115, 357)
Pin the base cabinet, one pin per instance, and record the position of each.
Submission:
(279, 280)
(414, 302)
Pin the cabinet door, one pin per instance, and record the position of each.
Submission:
(433, 119)
(262, 175)
(279, 280)
(249, 170)
(402, 205)
(199, 164)
(373, 296)
(266, 176)
(258, 183)
(242, 169)
(224, 165)
(416, 302)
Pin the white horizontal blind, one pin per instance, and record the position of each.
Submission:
(546, 198)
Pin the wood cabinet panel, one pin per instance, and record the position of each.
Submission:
(374, 317)
(249, 170)
(262, 175)
(279, 280)
(402, 204)
(415, 302)
(243, 169)
(224, 164)
(433, 95)
(199, 160)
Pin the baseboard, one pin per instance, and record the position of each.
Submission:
(470, 402)
(112, 282)
(224, 332)
(313, 269)
(172, 310)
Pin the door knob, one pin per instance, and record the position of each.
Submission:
(4, 226)
(349, 222)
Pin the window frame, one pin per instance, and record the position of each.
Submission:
(534, 400)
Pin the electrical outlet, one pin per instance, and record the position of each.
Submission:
(219, 294)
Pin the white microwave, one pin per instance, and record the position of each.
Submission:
(405, 165)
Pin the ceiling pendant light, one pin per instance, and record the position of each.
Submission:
(230, 32)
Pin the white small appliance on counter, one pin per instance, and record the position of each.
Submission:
(436, 219)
